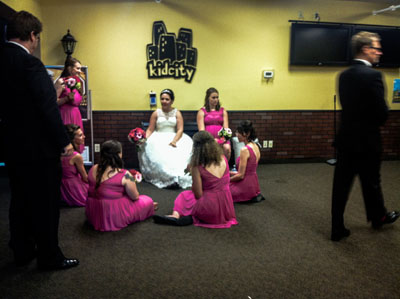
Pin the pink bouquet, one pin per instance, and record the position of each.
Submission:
(224, 135)
(73, 82)
(137, 136)
(136, 174)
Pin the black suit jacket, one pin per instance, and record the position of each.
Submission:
(364, 109)
(31, 125)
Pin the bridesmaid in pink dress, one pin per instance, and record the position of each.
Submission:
(212, 117)
(74, 183)
(69, 100)
(209, 203)
(114, 201)
(244, 183)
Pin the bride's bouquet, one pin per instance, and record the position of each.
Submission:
(136, 174)
(137, 136)
(224, 135)
(73, 82)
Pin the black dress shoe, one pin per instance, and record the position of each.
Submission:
(185, 220)
(257, 198)
(181, 221)
(337, 235)
(165, 220)
(61, 265)
(387, 219)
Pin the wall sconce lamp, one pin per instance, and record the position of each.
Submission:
(68, 42)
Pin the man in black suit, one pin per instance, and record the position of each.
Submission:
(33, 137)
(359, 145)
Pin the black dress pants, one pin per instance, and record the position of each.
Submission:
(367, 166)
(34, 209)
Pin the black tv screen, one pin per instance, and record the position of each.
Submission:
(320, 44)
(390, 41)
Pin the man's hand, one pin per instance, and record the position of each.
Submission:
(68, 150)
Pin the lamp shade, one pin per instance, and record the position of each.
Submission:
(68, 42)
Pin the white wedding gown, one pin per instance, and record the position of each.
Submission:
(160, 163)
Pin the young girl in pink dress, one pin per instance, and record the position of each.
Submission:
(69, 100)
(114, 201)
(74, 183)
(209, 203)
(244, 183)
(212, 117)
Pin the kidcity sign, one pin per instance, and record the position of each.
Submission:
(171, 57)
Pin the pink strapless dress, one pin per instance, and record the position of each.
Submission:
(215, 208)
(70, 113)
(109, 208)
(248, 187)
(74, 191)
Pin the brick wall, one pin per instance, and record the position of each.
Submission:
(298, 136)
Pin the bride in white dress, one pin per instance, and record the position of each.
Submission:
(165, 155)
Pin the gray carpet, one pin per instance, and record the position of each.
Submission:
(280, 249)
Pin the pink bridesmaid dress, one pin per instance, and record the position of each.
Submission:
(70, 113)
(248, 187)
(213, 121)
(74, 191)
(109, 208)
(215, 208)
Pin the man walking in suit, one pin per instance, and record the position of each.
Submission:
(359, 145)
(33, 137)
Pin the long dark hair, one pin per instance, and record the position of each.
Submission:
(207, 101)
(246, 127)
(109, 157)
(71, 130)
(206, 150)
(70, 62)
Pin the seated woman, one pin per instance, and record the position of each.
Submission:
(244, 183)
(74, 183)
(114, 201)
(212, 117)
(69, 98)
(209, 203)
(165, 155)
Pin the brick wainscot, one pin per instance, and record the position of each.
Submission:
(298, 136)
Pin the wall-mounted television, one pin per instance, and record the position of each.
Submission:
(319, 44)
(315, 43)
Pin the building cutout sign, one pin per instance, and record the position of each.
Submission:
(171, 57)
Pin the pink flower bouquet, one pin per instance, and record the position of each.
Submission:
(73, 82)
(137, 136)
(224, 135)
(136, 174)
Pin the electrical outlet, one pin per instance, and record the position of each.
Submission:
(270, 143)
(97, 148)
(265, 143)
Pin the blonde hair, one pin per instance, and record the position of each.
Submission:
(361, 39)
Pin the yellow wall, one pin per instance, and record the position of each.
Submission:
(29, 5)
(235, 39)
